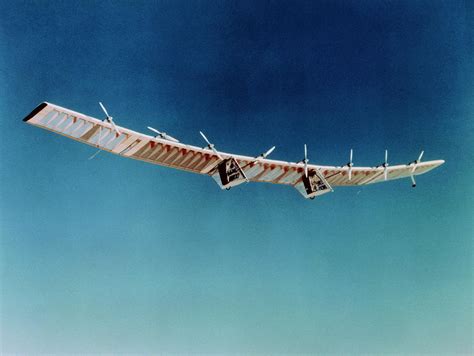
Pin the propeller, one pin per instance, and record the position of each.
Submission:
(94, 155)
(211, 146)
(350, 164)
(260, 156)
(163, 135)
(415, 164)
(385, 166)
(264, 155)
(110, 119)
(305, 161)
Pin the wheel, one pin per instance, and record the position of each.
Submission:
(227, 188)
(312, 198)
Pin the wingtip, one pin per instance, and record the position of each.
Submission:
(434, 164)
(35, 111)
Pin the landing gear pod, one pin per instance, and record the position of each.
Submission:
(313, 185)
(228, 174)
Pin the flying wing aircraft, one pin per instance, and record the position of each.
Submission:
(227, 169)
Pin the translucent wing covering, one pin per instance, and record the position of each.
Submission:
(156, 150)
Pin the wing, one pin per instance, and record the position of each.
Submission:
(227, 169)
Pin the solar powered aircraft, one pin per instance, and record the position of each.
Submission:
(227, 169)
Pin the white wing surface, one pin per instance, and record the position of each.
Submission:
(131, 144)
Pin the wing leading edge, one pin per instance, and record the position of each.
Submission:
(227, 169)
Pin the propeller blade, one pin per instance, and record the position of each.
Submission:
(259, 157)
(110, 119)
(98, 144)
(265, 154)
(415, 166)
(114, 126)
(419, 158)
(154, 130)
(268, 152)
(350, 164)
(305, 161)
(100, 136)
(163, 135)
(205, 138)
(385, 166)
(386, 156)
(217, 153)
(103, 108)
(94, 155)
(170, 138)
(211, 146)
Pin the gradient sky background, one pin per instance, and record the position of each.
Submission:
(116, 255)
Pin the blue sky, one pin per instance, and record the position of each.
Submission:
(116, 255)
